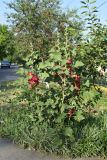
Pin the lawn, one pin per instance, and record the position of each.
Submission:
(8, 92)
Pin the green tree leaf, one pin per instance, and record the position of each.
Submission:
(69, 133)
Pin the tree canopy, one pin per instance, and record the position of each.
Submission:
(6, 42)
(36, 22)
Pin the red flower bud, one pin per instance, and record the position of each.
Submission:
(70, 70)
(69, 61)
(31, 67)
(77, 81)
(71, 112)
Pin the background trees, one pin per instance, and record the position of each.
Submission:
(36, 22)
(6, 43)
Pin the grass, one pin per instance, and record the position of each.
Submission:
(102, 103)
(8, 92)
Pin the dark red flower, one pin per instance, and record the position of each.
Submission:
(34, 80)
(71, 112)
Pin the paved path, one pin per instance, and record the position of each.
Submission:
(8, 74)
(9, 151)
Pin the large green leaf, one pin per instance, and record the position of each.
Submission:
(87, 83)
(78, 64)
(83, 2)
(68, 131)
(44, 75)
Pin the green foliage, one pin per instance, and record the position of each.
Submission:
(60, 114)
(35, 25)
(7, 48)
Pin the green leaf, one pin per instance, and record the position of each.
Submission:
(56, 141)
(44, 75)
(78, 64)
(87, 83)
(93, 1)
(21, 71)
(74, 52)
(56, 56)
(62, 108)
(79, 116)
(69, 133)
(61, 117)
(84, 12)
(83, 6)
(83, 2)
(95, 11)
(63, 62)
(57, 67)
(66, 72)
(42, 65)
(72, 88)
(88, 96)
(31, 117)
(30, 62)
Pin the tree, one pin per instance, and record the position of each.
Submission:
(35, 23)
(6, 42)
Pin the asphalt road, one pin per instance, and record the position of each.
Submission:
(8, 74)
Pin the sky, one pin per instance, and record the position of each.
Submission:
(72, 4)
